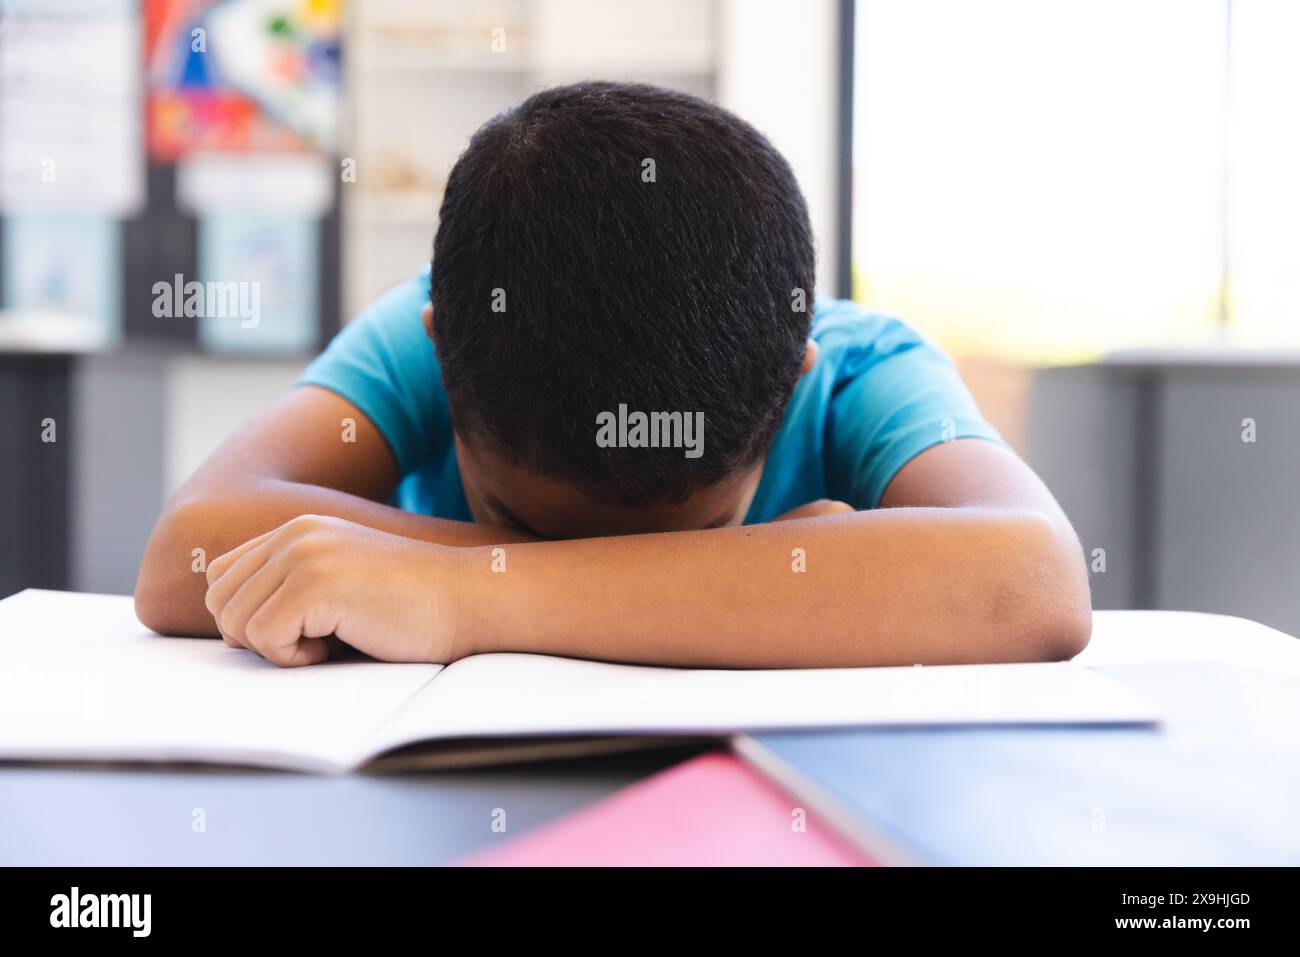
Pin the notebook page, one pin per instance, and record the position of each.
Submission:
(514, 694)
(82, 679)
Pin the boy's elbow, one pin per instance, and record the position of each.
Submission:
(1056, 619)
(164, 585)
(1067, 633)
(149, 606)
(155, 592)
(155, 596)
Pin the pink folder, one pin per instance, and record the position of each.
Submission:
(708, 811)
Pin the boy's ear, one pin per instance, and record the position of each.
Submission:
(810, 353)
(426, 316)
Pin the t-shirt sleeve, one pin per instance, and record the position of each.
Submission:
(384, 364)
(895, 396)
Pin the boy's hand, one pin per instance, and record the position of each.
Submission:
(283, 593)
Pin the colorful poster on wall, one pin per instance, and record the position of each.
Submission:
(242, 76)
(245, 97)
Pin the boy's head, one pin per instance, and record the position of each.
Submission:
(606, 251)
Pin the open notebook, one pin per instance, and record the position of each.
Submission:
(82, 680)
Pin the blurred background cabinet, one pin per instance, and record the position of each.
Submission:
(1182, 468)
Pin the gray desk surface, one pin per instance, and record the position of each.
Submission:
(131, 816)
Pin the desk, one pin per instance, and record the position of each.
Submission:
(1216, 784)
(142, 816)
(132, 816)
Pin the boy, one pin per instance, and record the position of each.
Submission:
(637, 440)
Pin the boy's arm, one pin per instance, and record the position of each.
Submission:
(313, 453)
(971, 560)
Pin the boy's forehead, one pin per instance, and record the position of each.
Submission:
(554, 509)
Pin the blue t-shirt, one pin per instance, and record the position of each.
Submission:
(878, 396)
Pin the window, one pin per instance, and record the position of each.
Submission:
(1052, 181)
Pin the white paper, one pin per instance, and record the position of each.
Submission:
(82, 679)
(509, 694)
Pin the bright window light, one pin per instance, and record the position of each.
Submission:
(1264, 197)
(1044, 180)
